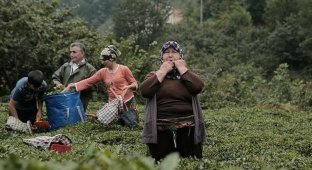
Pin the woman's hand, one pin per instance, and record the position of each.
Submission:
(165, 68)
(71, 85)
(181, 66)
(131, 86)
(124, 90)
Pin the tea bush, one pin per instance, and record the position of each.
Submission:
(236, 138)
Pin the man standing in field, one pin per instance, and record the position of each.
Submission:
(75, 70)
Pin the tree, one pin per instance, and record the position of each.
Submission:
(277, 11)
(143, 19)
(36, 35)
(289, 39)
(256, 9)
(95, 12)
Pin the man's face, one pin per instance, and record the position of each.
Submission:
(76, 55)
(31, 86)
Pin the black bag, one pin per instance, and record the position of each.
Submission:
(129, 117)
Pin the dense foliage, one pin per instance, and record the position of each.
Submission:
(241, 46)
(143, 19)
(238, 48)
(96, 12)
(37, 35)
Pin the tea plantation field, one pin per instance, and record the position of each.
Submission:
(236, 138)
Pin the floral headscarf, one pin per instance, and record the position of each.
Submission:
(172, 44)
(110, 53)
(174, 74)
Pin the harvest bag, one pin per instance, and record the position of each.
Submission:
(64, 109)
(129, 114)
(15, 124)
(129, 117)
(109, 112)
(46, 142)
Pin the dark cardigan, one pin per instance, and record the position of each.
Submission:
(150, 127)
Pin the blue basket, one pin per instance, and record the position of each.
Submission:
(64, 109)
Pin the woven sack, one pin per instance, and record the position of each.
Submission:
(109, 112)
(17, 125)
(45, 142)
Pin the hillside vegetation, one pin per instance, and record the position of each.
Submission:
(236, 138)
(255, 57)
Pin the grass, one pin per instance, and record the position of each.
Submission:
(236, 138)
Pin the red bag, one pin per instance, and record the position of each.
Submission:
(60, 148)
(41, 126)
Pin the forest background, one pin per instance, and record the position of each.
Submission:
(252, 54)
(247, 51)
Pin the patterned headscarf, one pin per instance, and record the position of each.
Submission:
(174, 74)
(110, 53)
(172, 44)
